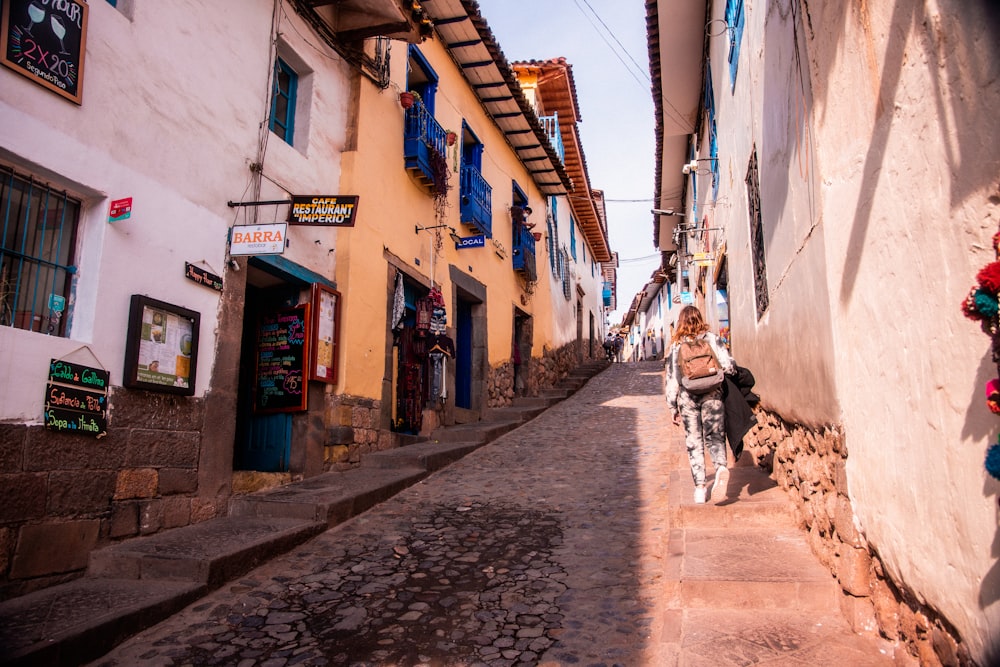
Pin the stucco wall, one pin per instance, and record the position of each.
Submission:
(878, 160)
(170, 117)
(393, 204)
(915, 201)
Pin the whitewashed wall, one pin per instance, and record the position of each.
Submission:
(878, 160)
(173, 99)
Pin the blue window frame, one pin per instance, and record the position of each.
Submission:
(734, 19)
(38, 227)
(113, 3)
(523, 241)
(713, 134)
(572, 237)
(286, 82)
(475, 194)
(421, 78)
(552, 225)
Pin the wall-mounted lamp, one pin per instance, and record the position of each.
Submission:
(451, 231)
(669, 211)
(692, 166)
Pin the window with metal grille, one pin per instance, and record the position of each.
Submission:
(36, 254)
(566, 274)
(286, 83)
(552, 225)
(757, 236)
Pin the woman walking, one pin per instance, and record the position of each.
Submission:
(695, 368)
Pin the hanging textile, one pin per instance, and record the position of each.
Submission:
(398, 303)
(411, 392)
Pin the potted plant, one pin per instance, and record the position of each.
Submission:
(450, 137)
(408, 98)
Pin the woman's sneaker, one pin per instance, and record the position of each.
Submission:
(721, 486)
(699, 495)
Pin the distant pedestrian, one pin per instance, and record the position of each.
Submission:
(609, 346)
(697, 402)
(619, 346)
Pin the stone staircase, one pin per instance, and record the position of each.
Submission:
(137, 583)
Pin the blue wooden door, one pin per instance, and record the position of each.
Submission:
(263, 441)
(463, 356)
(269, 444)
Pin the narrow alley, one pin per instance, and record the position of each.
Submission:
(572, 540)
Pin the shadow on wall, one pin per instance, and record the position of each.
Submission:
(973, 67)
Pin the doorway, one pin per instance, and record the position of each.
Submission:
(263, 441)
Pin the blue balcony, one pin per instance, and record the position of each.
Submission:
(476, 200)
(551, 126)
(524, 251)
(424, 148)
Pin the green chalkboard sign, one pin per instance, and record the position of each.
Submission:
(282, 360)
(45, 40)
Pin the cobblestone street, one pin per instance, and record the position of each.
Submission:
(552, 545)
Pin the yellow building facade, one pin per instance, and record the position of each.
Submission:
(445, 281)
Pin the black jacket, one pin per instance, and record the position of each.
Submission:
(738, 401)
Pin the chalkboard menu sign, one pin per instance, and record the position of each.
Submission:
(282, 360)
(76, 399)
(45, 40)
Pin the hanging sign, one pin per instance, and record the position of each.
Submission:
(478, 241)
(258, 239)
(323, 210)
(76, 399)
(202, 276)
(121, 209)
(45, 40)
(703, 259)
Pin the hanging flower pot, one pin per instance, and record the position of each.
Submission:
(450, 137)
(406, 99)
(537, 235)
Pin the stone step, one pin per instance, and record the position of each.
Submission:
(753, 499)
(731, 568)
(485, 431)
(210, 553)
(79, 621)
(428, 456)
(515, 413)
(534, 402)
(330, 498)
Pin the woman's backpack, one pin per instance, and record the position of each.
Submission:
(699, 367)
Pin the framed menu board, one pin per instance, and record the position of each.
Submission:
(280, 383)
(161, 350)
(45, 40)
(326, 328)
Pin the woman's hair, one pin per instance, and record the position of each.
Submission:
(689, 323)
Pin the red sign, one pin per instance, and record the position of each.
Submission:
(121, 209)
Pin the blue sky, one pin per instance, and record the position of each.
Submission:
(616, 106)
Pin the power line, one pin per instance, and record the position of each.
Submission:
(617, 41)
(610, 46)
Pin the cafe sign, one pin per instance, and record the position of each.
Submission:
(45, 40)
(323, 210)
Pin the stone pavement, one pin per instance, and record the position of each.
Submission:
(570, 540)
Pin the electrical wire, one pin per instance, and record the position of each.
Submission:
(610, 46)
(639, 67)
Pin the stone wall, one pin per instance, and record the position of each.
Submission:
(354, 427)
(542, 373)
(810, 465)
(65, 495)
